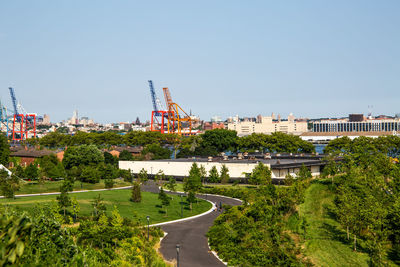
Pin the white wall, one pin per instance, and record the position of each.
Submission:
(177, 168)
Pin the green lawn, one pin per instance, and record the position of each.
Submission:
(325, 245)
(33, 187)
(150, 204)
(179, 186)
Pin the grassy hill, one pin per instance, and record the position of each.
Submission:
(326, 243)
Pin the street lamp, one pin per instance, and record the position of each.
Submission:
(177, 254)
(148, 226)
(181, 207)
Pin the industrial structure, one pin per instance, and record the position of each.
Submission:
(172, 119)
(20, 124)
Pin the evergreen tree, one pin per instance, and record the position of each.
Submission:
(165, 200)
(136, 195)
(99, 207)
(171, 185)
(213, 176)
(64, 201)
(143, 177)
(193, 181)
(261, 175)
(224, 177)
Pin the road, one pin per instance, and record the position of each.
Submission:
(191, 236)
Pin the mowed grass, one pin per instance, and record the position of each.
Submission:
(150, 205)
(33, 187)
(325, 239)
(179, 186)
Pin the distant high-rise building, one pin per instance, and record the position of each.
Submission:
(216, 119)
(268, 125)
(75, 118)
(46, 119)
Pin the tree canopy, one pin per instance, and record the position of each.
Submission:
(82, 155)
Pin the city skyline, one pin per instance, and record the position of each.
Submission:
(311, 59)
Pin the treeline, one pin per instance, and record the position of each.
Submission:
(211, 142)
(84, 163)
(57, 139)
(256, 233)
(388, 145)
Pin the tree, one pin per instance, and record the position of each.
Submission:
(99, 207)
(90, 175)
(203, 173)
(110, 159)
(171, 184)
(191, 198)
(116, 218)
(109, 183)
(165, 200)
(64, 201)
(304, 173)
(19, 172)
(82, 155)
(224, 176)
(193, 181)
(125, 155)
(220, 140)
(213, 176)
(160, 176)
(155, 151)
(136, 195)
(8, 184)
(126, 174)
(143, 178)
(32, 171)
(4, 150)
(261, 175)
(76, 208)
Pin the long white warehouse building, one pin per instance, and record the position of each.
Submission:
(179, 168)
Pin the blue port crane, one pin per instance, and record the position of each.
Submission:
(153, 95)
(157, 106)
(14, 100)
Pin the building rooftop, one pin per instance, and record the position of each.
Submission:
(276, 162)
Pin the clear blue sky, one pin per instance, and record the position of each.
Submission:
(312, 58)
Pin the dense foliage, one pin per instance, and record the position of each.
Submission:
(40, 238)
(367, 197)
(388, 145)
(254, 234)
(4, 150)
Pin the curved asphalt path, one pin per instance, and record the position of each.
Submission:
(191, 235)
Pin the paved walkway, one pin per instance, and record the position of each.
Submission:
(191, 236)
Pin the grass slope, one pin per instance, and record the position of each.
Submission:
(325, 239)
(150, 205)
